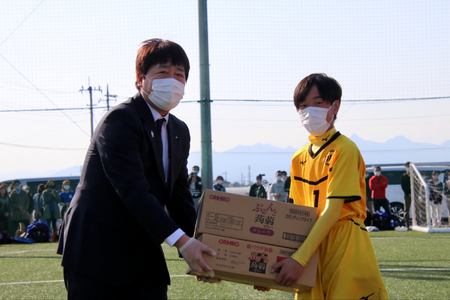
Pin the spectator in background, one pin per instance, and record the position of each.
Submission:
(66, 196)
(19, 205)
(369, 200)
(195, 185)
(38, 204)
(218, 186)
(436, 192)
(51, 200)
(5, 209)
(287, 188)
(406, 187)
(378, 184)
(276, 190)
(257, 189)
(30, 207)
(283, 176)
(196, 171)
(447, 195)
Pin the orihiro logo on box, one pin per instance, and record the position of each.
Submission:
(228, 242)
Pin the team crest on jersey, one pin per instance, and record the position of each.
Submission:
(329, 157)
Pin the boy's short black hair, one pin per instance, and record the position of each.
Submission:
(328, 87)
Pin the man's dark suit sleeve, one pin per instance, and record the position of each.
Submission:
(121, 160)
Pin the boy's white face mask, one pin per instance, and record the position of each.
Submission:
(166, 93)
(314, 119)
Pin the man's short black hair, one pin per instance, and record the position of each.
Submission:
(407, 164)
(158, 51)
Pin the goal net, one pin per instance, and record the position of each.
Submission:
(426, 214)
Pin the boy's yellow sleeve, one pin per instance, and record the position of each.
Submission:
(320, 230)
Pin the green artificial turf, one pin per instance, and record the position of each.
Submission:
(414, 265)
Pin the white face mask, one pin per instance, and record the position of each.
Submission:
(314, 119)
(219, 181)
(278, 178)
(66, 187)
(377, 173)
(166, 93)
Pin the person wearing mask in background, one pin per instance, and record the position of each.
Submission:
(51, 208)
(19, 205)
(276, 190)
(134, 185)
(283, 176)
(218, 186)
(195, 185)
(436, 193)
(5, 210)
(38, 204)
(196, 171)
(66, 196)
(378, 184)
(257, 190)
(30, 208)
(406, 187)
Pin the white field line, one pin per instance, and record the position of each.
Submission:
(177, 276)
(416, 269)
(62, 281)
(409, 237)
(27, 251)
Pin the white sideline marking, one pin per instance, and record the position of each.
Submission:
(26, 251)
(175, 276)
(62, 281)
(415, 269)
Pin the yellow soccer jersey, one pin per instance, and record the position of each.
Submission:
(335, 170)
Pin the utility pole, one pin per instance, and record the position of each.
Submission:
(249, 175)
(90, 89)
(108, 96)
(205, 98)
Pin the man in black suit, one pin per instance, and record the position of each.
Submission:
(133, 193)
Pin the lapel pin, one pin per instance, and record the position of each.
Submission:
(152, 134)
(176, 137)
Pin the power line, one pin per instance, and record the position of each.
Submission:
(43, 94)
(22, 22)
(47, 148)
(290, 101)
(52, 109)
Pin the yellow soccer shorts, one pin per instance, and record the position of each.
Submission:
(347, 268)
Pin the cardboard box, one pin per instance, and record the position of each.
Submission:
(250, 263)
(254, 219)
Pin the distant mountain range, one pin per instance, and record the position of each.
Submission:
(236, 164)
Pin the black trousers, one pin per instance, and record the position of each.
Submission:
(377, 203)
(81, 287)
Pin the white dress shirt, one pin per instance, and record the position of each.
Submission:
(174, 237)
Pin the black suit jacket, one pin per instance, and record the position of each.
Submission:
(116, 222)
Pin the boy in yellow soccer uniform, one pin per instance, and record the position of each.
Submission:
(329, 174)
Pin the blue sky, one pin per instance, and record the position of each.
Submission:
(258, 50)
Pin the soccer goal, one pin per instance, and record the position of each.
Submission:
(426, 216)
